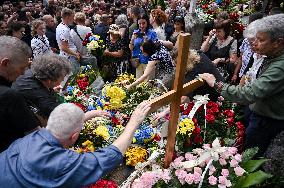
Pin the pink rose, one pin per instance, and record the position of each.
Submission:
(233, 150)
(238, 157)
(189, 179)
(181, 174)
(224, 182)
(197, 170)
(196, 177)
(225, 172)
(212, 169)
(212, 180)
(222, 161)
(234, 163)
(239, 171)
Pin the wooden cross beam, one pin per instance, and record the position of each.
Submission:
(174, 96)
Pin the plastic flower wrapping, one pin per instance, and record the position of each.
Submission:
(213, 165)
(94, 43)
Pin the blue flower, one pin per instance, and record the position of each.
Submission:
(70, 90)
(91, 108)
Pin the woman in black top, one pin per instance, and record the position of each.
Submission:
(221, 48)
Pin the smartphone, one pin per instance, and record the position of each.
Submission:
(140, 35)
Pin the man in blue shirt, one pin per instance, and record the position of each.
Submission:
(41, 160)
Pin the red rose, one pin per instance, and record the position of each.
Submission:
(230, 121)
(198, 140)
(194, 121)
(240, 126)
(196, 131)
(209, 111)
(210, 118)
(229, 113)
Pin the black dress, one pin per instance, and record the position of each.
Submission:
(225, 69)
(205, 66)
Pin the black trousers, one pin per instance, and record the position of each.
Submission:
(261, 131)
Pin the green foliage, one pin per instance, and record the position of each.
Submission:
(253, 165)
(249, 154)
(254, 178)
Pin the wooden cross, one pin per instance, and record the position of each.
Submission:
(175, 95)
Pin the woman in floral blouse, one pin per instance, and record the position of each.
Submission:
(113, 54)
(39, 44)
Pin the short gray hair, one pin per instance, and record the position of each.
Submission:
(272, 25)
(121, 20)
(50, 67)
(64, 120)
(14, 49)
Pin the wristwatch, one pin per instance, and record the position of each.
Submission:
(218, 86)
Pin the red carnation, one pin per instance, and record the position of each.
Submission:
(115, 120)
(210, 118)
(157, 137)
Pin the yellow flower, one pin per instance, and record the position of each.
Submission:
(102, 131)
(186, 126)
(135, 155)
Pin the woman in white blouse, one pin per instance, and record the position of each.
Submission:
(158, 18)
(39, 44)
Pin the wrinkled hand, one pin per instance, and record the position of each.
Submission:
(101, 113)
(216, 61)
(234, 78)
(128, 87)
(159, 116)
(140, 112)
(57, 88)
(209, 78)
(212, 33)
(96, 113)
(106, 52)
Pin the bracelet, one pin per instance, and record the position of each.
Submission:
(218, 86)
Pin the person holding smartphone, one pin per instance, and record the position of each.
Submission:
(144, 32)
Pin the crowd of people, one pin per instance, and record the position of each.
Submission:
(41, 44)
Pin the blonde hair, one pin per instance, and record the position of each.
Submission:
(80, 17)
(35, 25)
(192, 59)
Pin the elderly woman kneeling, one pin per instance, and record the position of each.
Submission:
(38, 83)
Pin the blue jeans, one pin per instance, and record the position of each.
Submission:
(261, 131)
(74, 65)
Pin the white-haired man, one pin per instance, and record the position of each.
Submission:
(42, 160)
(265, 95)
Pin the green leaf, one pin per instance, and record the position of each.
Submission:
(248, 154)
(253, 165)
(253, 179)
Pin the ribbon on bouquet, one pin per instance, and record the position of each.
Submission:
(199, 100)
